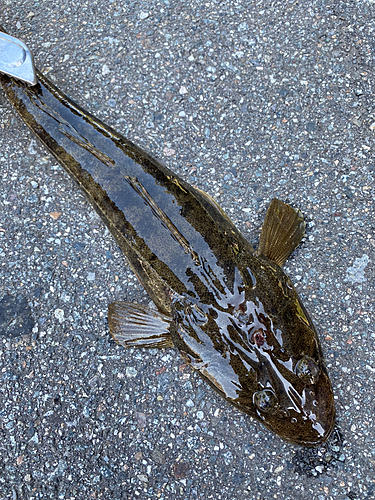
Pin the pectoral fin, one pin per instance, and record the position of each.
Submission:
(282, 231)
(133, 325)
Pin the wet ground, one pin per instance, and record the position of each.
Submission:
(248, 101)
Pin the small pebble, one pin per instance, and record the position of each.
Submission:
(105, 70)
(131, 372)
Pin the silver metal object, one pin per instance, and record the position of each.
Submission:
(16, 59)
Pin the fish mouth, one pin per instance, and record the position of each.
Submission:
(309, 439)
(309, 432)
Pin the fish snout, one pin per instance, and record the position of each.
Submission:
(308, 424)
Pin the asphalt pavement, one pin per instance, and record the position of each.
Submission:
(248, 100)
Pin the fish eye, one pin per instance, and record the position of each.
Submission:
(307, 370)
(266, 401)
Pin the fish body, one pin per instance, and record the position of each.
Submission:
(231, 311)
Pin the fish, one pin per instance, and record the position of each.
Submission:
(228, 309)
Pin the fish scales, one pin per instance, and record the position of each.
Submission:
(232, 313)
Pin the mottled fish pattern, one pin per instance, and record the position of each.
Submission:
(230, 310)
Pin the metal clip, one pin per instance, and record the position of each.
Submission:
(16, 59)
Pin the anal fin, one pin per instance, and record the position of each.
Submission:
(282, 231)
(133, 325)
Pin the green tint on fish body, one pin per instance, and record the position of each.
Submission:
(232, 313)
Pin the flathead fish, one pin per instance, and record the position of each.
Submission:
(231, 311)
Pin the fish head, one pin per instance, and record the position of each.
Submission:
(294, 399)
(287, 384)
(263, 355)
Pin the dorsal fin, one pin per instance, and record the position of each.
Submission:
(214, 203)
(282, 231)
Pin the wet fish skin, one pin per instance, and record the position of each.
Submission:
(232, 313)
